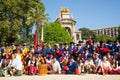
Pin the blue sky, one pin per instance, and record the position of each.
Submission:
(92, 14)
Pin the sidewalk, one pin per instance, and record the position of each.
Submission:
(64, 77)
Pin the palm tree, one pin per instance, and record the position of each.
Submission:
(38, 17)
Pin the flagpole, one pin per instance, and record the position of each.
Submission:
(42, 32)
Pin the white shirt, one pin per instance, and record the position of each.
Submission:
(105, 64)
(17, 63)
(56, 67)
(89, 62)
(98, 62)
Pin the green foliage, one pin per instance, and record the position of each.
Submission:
(37, 15)
(104, 38)
(55, 33)
(118, 33)
(86, 33)
(14, 16)
(4, 30)
(9, 21)
(24, 39)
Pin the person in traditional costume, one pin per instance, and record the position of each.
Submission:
(118, 58)
(97, 62)
(16, 63)
(1, 52)
(72, 67)
(42, 67)
(64, 60)
(56, 69)
(5, 65)
(65, 46)
(37, 50)
(102, 49)
(114, 66)
(80, 65)
(89, 65)
(105, 66)
(7, 50)
(109, 57)
(58, 53)
(72, 49)
(85, 54)
(80, 49)
(49, 51)
(19, 50)
(32, 66)
(31, 49)
(25, 50)
(116, 49)
(110, 47)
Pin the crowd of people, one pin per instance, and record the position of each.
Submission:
(90, 57)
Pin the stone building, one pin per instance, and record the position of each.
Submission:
(66, 20)
(111, 31)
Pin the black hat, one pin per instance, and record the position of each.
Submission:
(80, 42)
(71, 42)
(65, 43)
(14, 51)
(109, 41)
(94, 41)
(101, 42)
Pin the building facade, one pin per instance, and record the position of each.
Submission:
(66, 20)
(112, 31)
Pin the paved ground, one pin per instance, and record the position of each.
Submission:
(64, 77)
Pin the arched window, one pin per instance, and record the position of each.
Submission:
(68, 30)
(77, 36)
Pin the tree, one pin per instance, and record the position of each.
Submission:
(55, 33)
(9, 20)
(13, 19)
(38, 17)
(86, 33)
(26, 6)
(104, 38)
(118, 33)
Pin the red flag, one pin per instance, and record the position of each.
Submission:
(36, 38)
